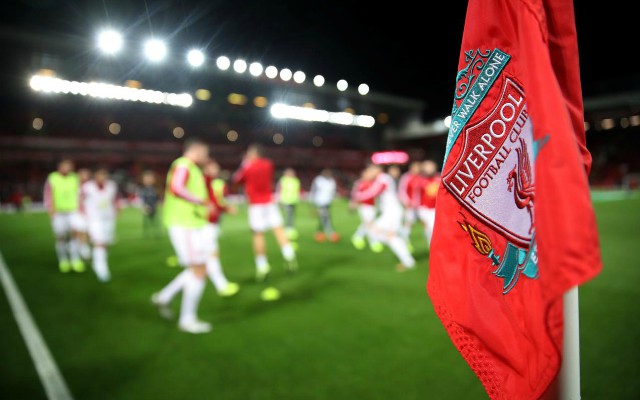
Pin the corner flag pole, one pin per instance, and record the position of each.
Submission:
(570, 369)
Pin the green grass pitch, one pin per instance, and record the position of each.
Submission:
(348, 326)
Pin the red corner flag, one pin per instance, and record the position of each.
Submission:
(515, 227)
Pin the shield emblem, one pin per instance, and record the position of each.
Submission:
(492, 175)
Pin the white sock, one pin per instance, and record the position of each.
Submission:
(371, 237)
(400, 249)
(74, 250)
(61, 251)
(287, 252)
(85, 250)
(100, 265)
(261, 263)
(360, 232)
(405, 231)
(193, 289)
(215, 273)
(173, 288)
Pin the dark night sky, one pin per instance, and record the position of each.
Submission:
(394, 47)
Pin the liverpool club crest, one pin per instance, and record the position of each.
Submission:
(491, 171)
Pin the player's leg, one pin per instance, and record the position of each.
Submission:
(193, 290)
(325, 224)
(290, 211)
(390, 223)
(329, 228)
(61, 230)
(274, 220)
(75, 244)
(368, 216)
(190, 246)
(409, 218)
(194, 284)
(358, 237)
(80, 225)
(179, 241)
(101, 233)
(258, 224)
(214, 267)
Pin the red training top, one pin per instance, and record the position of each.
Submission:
(360, 186)
(214, 215)
(428, 189)
(257, 178)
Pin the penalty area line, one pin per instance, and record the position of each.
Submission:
(50, 376)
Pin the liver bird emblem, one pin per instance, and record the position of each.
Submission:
(520, 180)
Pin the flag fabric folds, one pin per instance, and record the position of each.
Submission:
(515, 227)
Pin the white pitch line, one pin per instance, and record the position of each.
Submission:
(50, 376)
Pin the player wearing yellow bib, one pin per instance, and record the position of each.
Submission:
(61, 199)
(185, 213)
(288, 190)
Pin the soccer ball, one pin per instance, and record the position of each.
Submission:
(172, 261)
(270, 294)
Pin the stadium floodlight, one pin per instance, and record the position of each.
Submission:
(110, 41)
(271, 72)
(342, 85)
(100, 90)
(285, 74)
(223, 63)
(365, 121)
(447, 121)
(299, 77)
(283, 111)
(363, 89)
(240, 66)
(155, 50)
(195, 58)
(342, 118)
(37, 123)
(318, 80)
(255, 69)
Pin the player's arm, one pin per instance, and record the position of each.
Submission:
(403, 190)
(178, 186)
(371, 192)
(278, 190)
(239, 176)
(219, 207)
(116, 201)
(48, 198)
(416, 192)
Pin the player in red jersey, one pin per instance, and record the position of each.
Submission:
(429, 183)
(367, 212)
(214, 268)
(388, 224)
(409, 197)
(256, 175)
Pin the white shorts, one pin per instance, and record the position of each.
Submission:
(263, 217)
(367, 213)
(62, 223)
(79, 222)
(211, 232)
(101, 231)
(410, 215)
(190, 245)
(390, 220)
(427, 216)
